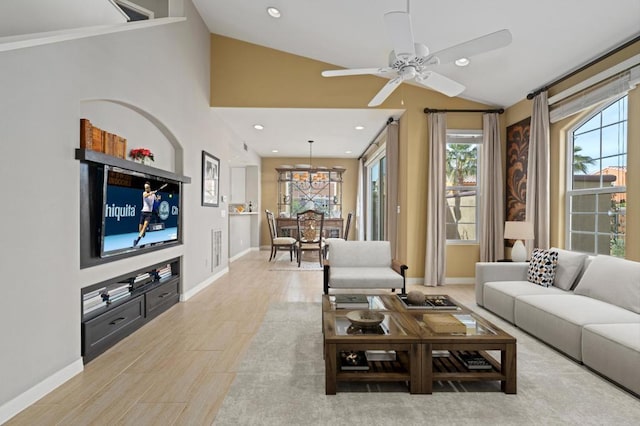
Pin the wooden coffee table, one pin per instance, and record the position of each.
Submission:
(414, 342)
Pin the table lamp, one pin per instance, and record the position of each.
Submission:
(518, 231)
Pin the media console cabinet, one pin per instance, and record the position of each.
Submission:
(106, 325)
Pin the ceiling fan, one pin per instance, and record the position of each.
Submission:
(412, 61)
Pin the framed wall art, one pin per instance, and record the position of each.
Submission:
(210, 180)
(517, 158)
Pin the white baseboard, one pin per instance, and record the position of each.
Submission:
(242, 253)
(204, 284)
(459, 280)
(447, 280)
(30, 396)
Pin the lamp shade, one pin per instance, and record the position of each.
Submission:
(518, 231)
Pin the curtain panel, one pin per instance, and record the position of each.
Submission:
(435, 259)
(360, 202)
(537, 210)
(492, 197)
(392, 153)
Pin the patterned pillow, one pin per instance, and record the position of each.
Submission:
(542, 267)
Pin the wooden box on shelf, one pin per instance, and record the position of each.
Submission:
(96, 139)
(444, 323)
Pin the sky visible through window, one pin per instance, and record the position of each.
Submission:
(603, 139)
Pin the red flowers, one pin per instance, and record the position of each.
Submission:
(141, 153)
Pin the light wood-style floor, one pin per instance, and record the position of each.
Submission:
(177, 369)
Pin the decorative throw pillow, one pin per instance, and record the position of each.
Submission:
(570, 264)
(542, 267)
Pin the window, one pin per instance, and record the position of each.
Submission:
(597, 174)
(377, 195)
(463, 186)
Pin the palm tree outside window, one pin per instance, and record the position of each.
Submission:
(463, 186)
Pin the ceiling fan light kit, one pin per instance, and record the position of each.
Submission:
(412, 61)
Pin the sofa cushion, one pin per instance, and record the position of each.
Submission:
(364, 277)
(570, 264)
(558, 319)
(542, 267)
(604, 343)
(360, 254)
(612, 280)
(499, 296)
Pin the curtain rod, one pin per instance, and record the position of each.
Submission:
(389, 121)
(498, 111)
(559, 80)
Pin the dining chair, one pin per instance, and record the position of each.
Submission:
(279, 243)
(345, 236)
(310, 234)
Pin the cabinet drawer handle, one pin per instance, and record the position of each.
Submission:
(117, 320)
(163, 295)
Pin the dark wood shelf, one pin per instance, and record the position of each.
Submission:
(102, 158)
(105, 326)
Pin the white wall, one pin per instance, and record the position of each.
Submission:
(34, 16)
(162, 70)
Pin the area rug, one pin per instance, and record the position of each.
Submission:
(283, 263)
(281, 381)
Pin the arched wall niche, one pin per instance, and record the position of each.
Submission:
(141, 129)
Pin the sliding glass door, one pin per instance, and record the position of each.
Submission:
(376, 196)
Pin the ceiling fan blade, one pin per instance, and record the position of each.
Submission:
(357, 71)
(469, 48)
(440, 83)
(385, 91)
(399, 28)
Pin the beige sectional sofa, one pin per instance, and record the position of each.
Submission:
(591, 312)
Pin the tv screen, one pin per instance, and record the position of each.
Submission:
(140, 211)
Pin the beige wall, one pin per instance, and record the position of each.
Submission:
(287, 81)
(558, 132)
(269, 187)
(290, 81)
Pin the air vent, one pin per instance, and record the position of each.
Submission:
(216, 248)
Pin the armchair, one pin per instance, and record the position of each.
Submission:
(363, 264)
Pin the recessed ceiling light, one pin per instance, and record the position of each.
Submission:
(258, 126)
(462, 62)
(273, 12)
(274, 150)
(359, 127)
(347, 152)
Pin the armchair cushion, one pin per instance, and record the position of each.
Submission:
(360, 253)
(365, 277)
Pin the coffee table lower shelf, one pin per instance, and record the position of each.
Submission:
(449, 368)
(421, 381)
(405, 368)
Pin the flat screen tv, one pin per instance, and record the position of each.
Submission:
(125, 226)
